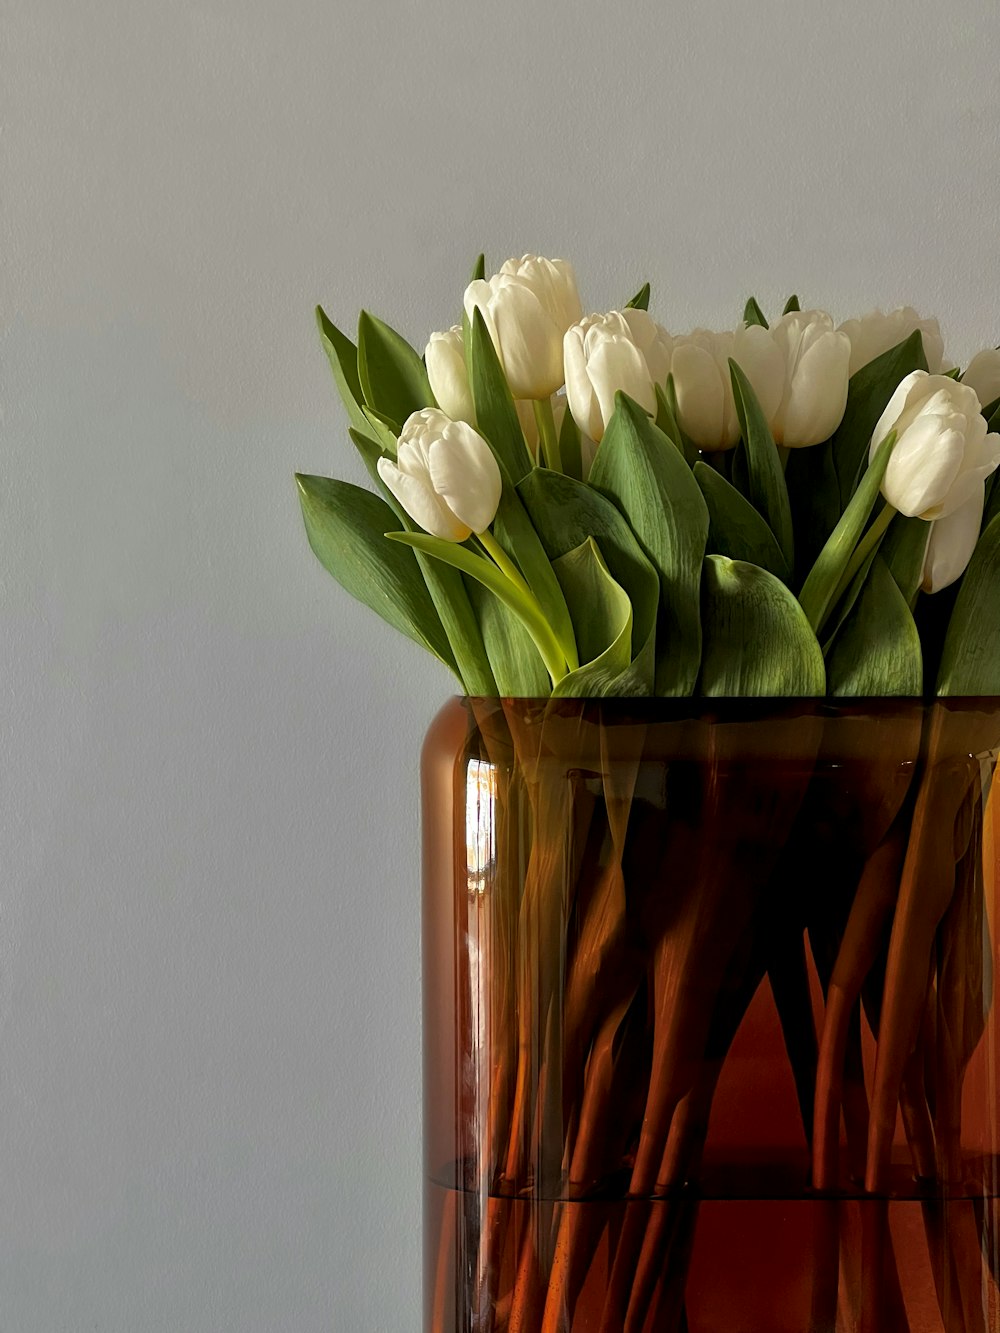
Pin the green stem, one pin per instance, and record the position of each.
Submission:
(865, 547)
(503, 561)
(826, 576)
(547, 433)
(519, 599)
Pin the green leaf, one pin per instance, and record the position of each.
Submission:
(868, 395)
(992, 414)
(345, 526)
(479, 269)
(791, 305)
(487, 573)
(565, 513)
(496, 415)
(844, 604)
(877, 649)
(450, 597)
(515, 661)
(735, 528)
(757, 642)
(380, 430)
(669, 422)
(393, 378)
(641, 299)
(814, 495)
(768, 492)
(820, 587)
(970, 662)
(516, 533)
(904, 551)
(991, 507)
(647, 479)
(752, 314)
(602, 610)
(343, 358)
(371, 452)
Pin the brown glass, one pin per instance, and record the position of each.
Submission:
(710, 1041)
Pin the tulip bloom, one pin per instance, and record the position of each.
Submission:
(449, 376)
(942, 454)
(527, 307)
(704, 387)
(983, 375)
(952, 542)
(602, 354)
(445, 476)
(817, 367)
(877, 332)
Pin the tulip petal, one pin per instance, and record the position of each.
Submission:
(418, 498)
(617, 364)
(908, 388)
(983, 376)
(444, 357)
(465, 475)
(580, 395)
(816, 394)
(530, 342)
(924, 466)
(760, 358)
(702, 398)
(952, 542)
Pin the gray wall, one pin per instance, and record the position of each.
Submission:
(209, 971)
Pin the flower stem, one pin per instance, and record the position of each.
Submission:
(547, 436)
(868, 543)
(553, 653)
(502, 560)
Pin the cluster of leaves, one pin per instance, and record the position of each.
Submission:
(673, 574)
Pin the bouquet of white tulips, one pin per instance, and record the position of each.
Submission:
(588, 505)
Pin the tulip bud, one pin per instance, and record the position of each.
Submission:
(448, 375)
(527, 307)
(943, 454)
(952, 542)
(877, 332)
(983, 375)
(817, 368)
(602, 355)
(704, 387)
(445, 476)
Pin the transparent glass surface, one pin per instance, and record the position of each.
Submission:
(710, 1039)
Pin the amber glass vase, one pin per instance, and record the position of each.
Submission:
(710, 1036)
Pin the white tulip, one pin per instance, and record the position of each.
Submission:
(817, 367)
(602, 354)
(704, 387)
(449, 376)
(444, 476)
(943, 454)
(527, 307)
(877, 332)
(652, 340)
(983, 375)
(952, 542)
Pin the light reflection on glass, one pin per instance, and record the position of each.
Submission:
(480, 796)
